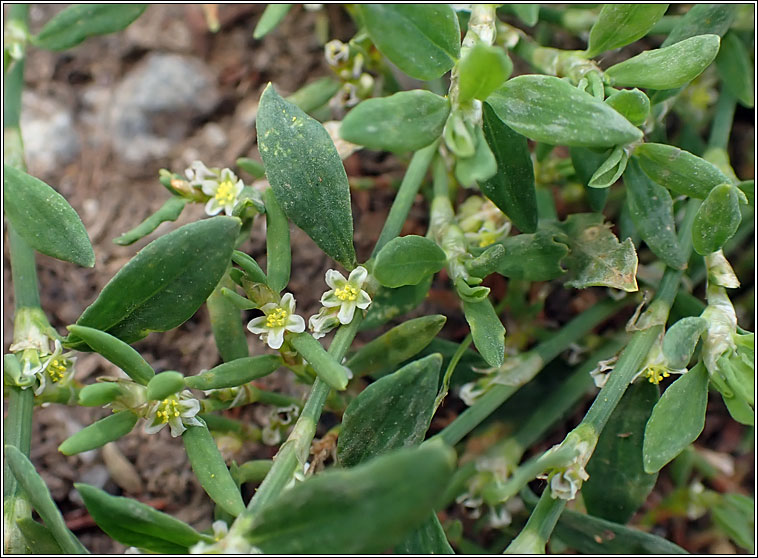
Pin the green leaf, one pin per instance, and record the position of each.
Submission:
(312, 96)
(251, 268)
(736, 69)
(586, 162)
(610, 170)
(99, 394)
(405, 121)
(326, 367)
(379, 356)
(169, 211)
(429, 538)
(528, 13)
(99, 433)
(481, 166)
(701, 19)
(271, 17)
(80, 21)
(39, 496)
(363, 510)
(306, 174)
(487, 262)
(278, 251)
(633, 104)
(681, 339)
(388, 304)
(165, 283)
(621, 24)
(734, 514)
(116, 351)
(677, 419)
(596, 258)
(235, 373)
(594, 536)
(210, 469)
(652, 211)
(408, 260)
(423, 40)
(226, 323)
(251, 166)
(512, 189)
(393, 412)
(145, 526)
(618, 485)
(717, 219)
(679, 171)
(483, 69)
(666, 68)
(44, 219)
(164, 384)
(533, 257)
(38, 537)
(487, 330)
(551, 110)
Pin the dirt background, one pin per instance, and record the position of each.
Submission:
(90, 133)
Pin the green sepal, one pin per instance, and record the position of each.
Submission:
(408, 260)
(99, 433)
(550, 110)
(512, 188)
(393, 412)
(44, 219)
(80, 21)
(677, 419)
(487, 330)
(136, 524)
(168, 212)
(306, 173)
(383, 500)
(116, 351)
(210, 469)
(165, 283)
(164, 384)
(405, 121)
(423, 40)
(666, 68)
(379, 356)
(235, 373)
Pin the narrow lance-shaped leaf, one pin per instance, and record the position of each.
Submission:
(408, 260)
(487, 330)
(278, 252)
(736, 70)
(423, 40)
(677, 419)
(621, 24)
(210, 469)
(44, 219)
(99, 433)
(393, 412)
(38, 537)
(306, 174)
(138, 519)
(618, 485)
(116, 351)
(226, 323)
(551, 110)
(405, 121)
(378, 357)
(382, 501)
(235, 373)
(80, 21)
(652, 211)
(272, 16)
(701, 19)
(165, 283)
(512, 189)
(169, 211)
(326, 367)
(666, 68)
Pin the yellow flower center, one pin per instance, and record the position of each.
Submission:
(347, 293)
(56, 369)
(487, 238)
(168, 408)
(225, 194)
(277, 318)
(656, 373)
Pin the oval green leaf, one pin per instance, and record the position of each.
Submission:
(621, 24)
(717, 219)
(164, 384)
(408, 260)
(487, 330)
(99, 433)
(235, 373)
(551, 110)
(405, 121)
(165, 283)
(44, 219)
(483, 69)
(681, 339)
(633, 104)
(423, 40)
(306, 174)
(666, 68)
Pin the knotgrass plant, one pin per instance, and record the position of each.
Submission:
(488, 141)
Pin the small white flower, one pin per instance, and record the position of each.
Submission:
(600, 373)
(335, 52)
(347, 294)
(37, 369)
(222, 186)
(223, 543)
(656, 365)
(566, 484)
(470, 392)
(277, 319)
(322, 323)
(176, 410)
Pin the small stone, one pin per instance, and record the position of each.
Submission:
(50, 138)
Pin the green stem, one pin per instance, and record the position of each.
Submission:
(721, 126)
(406, 195)
(18, 430)
(532, 363)
(535, 534)
(24, 272)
